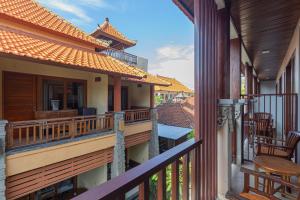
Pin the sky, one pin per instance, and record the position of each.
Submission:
(164, 34)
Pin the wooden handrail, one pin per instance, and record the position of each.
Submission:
(24, 133)
(137, 115)
(118, 186)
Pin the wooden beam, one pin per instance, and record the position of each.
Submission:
(249, 79)
(223, 53)
(206, 96)
(235, 68)
(117, 93)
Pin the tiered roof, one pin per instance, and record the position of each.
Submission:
(175, 86)
(27, 47)
(106, 31)
(16, 40)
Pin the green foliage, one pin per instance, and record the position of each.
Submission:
(158, 100)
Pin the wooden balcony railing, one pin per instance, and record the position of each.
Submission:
(24, 133)
(182, 161)
(137, 115)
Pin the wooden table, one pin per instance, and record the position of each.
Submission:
(275, 165)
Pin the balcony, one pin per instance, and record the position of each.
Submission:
(181, 159)
(33, 132)
(122, 56)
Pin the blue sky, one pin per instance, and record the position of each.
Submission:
(163, 32)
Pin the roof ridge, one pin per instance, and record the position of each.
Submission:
(21, 14)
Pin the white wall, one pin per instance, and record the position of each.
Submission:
(139, 153)
(92, 178)
(270, 104)
(139, 96)
(268, 87)
(96, 91)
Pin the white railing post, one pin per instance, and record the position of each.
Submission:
(225, 129)
(154, 143)
(2, 158)
(118, 165)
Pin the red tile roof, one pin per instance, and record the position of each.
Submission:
(111, 32)
(177, 114)
(175, 86)
(28, 46)
(28, 11)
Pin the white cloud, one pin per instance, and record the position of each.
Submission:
(67, 6)
(175, 61)
(75, 7)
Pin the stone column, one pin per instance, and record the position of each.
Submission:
(118, 165)
(224, 136)
(2, 158)
(238, 112)
(154, 143)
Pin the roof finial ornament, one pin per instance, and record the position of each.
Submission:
(106, 19)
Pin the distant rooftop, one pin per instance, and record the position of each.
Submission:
(109, 33)
(179, 114)
(175, 86)
(172, 132)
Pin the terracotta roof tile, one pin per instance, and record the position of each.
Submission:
(177, 114)
(150, 79)
(175, 86)
(19, 44)
(107, 28)
(32, 12)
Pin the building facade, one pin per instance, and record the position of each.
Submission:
(72, 117)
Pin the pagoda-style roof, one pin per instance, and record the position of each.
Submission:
(24, 46)
(28, 31)
(109, 33)
(175, 86)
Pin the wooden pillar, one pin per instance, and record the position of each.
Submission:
(249, 79)
(223, 53)
(152, 96)
(117, 93)
(235, 68)
(206, 95)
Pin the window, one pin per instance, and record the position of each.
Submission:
(62, 94)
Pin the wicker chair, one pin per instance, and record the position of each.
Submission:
(268, 191)
(275, 147)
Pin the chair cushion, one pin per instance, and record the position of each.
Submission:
(253, 196)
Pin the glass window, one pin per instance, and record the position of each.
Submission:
(56, 92)
(53, 94)
(75, 95)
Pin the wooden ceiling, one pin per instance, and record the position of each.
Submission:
(266, 25)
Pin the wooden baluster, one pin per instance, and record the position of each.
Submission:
(185, 177)
(53, 132)
(10, 135)
(20, 136)
(27, 136)
(47, 132)
(41, 132)
(144, 190)
(131, 117)
(64, 130)
(111, 122)
(34, 134)
(72, 128)
(98, 123)
(175, 180)
(80, 127)
(161, 185)
(58, 131)
(88, 125)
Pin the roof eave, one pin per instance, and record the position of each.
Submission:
(81, 68)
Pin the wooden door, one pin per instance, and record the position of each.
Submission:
(19, 96)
